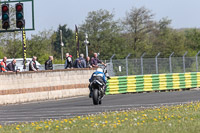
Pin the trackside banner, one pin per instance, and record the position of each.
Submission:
(24, 47)
(77, 41)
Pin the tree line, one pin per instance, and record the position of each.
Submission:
(137, 33)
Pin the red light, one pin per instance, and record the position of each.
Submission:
(4, 8)
(19, 8)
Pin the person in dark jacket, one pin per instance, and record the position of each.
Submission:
(11, 66)
(32, 64)
(88, 62)
(49, 64)
(68, 61)
(95, 61)
(80, 62)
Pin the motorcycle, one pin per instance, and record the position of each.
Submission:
(98, 89)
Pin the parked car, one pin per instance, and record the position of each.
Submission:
(20, 65)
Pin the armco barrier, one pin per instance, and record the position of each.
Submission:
(154, 82)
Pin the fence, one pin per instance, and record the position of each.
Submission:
(141, 66)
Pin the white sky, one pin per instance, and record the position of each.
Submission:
(50, 13)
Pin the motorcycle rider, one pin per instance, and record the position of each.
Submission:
(100, 76)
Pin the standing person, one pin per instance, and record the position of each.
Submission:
(11, 67)
(88, 63)
(32, 64)
(80, 62)
(68, 61)
(49, 64)
(3, 65)
(95, 61)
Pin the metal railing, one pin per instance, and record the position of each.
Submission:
(140, 66)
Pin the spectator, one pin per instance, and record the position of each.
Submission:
(80, 62)
(3, 65)
(49, 64)
(95, 61)
(32, 64)
(68, 61)
(88, 63)
(11, 67)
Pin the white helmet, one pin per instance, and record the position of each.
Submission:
(100, 69)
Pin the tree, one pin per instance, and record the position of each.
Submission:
(14, 49)
(137, 24)
(102, 31)
(67, 34)
(192, 40)
(40, 45)
(166, 40)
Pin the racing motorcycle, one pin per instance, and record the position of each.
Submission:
(98, 89)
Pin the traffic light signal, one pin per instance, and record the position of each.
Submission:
(20, 22)
(5, 16)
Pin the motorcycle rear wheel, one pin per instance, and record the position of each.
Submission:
(95, 97)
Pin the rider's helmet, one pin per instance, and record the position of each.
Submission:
(99, 69)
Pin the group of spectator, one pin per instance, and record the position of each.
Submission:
(11, 67)
(80, 62)
(7, 68)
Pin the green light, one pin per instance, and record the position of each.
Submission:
(19, 16)
(5, 16)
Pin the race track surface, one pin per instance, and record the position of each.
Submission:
(66, 108)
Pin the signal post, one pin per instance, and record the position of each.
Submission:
(20, 20)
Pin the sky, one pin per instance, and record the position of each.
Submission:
(50, 13)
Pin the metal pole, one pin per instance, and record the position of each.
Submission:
(112, 58)
(127, 64)
(170, 62)
(86, 50)
(86, 42)
(33, 17)
(184, 61)
(156, 59)
(61, 43)
(141, 58)
(197, 63)
(111, 66)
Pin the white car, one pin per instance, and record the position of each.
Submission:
(20, 65)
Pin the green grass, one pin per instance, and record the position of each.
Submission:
(174, 119)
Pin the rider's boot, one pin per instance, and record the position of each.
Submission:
(90, 95)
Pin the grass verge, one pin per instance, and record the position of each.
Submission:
(174, 119)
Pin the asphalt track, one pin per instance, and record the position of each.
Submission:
(59, 109)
